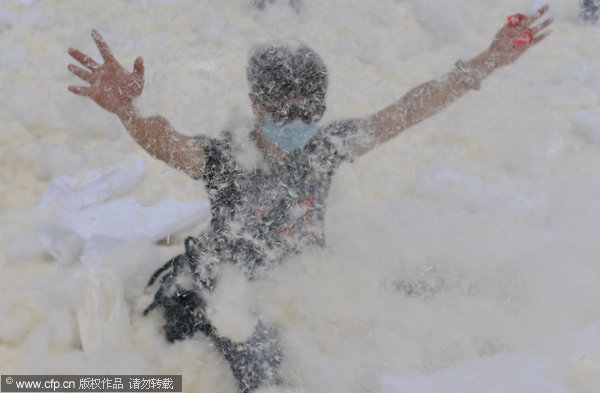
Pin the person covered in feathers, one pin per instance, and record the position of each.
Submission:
(262, 215)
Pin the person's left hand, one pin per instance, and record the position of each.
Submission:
(515, 38)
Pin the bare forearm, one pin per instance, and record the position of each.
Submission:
(431, 97)
(426, 100)
(156, 136)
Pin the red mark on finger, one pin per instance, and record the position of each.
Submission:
(524, 38)
(515, 20)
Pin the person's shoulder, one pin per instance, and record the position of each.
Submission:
(340, 127)
(337, 130)
(224, 136)
(222, 142)
(335, 140)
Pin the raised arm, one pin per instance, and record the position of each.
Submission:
(431, 97)
(114, 89)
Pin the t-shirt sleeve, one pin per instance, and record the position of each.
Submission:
(218, 165)
(337, 142)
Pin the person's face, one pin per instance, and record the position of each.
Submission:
(305, 109)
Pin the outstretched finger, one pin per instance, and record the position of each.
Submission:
(538, 14)
(540, 37)
(83, 59)
(80, 72)
(102, 46)
(138, 69)
(82, 91)
(541, 26)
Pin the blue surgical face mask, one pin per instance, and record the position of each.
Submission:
(289, 136)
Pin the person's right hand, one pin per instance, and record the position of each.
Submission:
(111, 86)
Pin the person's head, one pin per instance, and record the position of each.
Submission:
(288, 84)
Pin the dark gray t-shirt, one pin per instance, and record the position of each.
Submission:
(260, 216)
